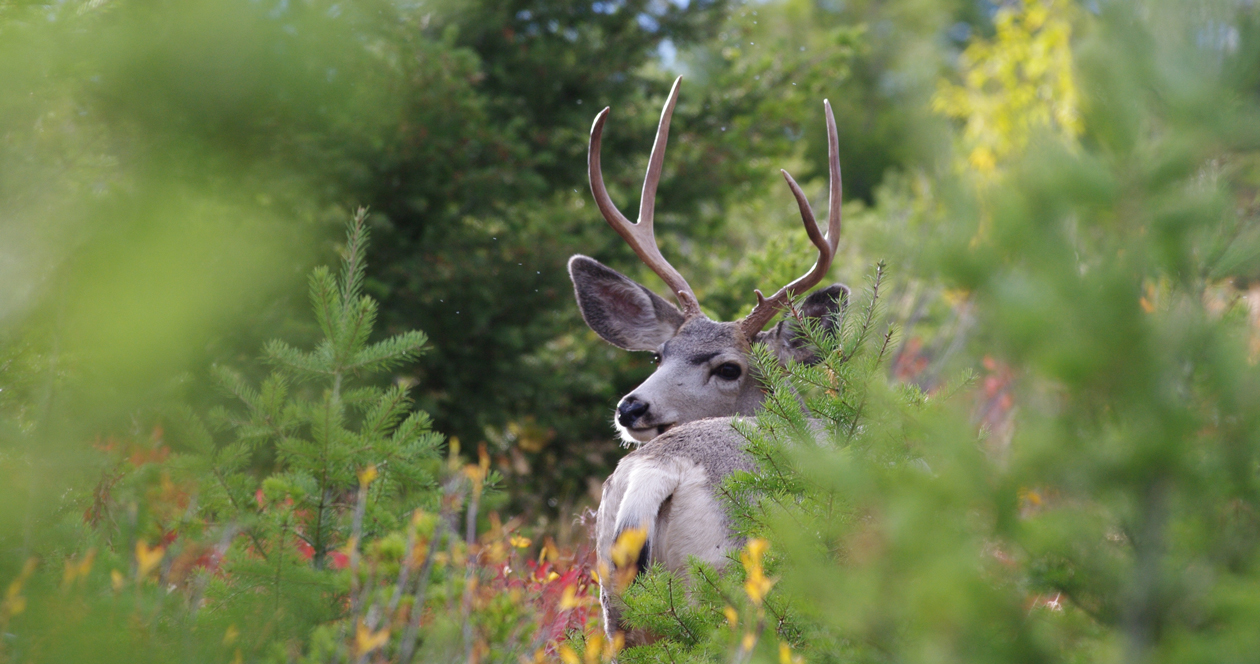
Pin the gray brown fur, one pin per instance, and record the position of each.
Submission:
(682, 421)
(686, 464)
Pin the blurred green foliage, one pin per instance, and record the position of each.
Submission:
(1108, 513)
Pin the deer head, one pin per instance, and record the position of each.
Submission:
(703, 365)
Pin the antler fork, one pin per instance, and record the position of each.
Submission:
(767, 307)
(640, 236)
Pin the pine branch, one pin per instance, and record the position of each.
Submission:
(354, 328)
(353, 266)
(235, 385)
(282, 355)
(411, 429)
(387, 411)
(871, 308)
(389, 353)
(325, 300)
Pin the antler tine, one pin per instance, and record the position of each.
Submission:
(641, 236)
(767, 307)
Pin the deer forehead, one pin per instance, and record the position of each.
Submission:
(700, 340)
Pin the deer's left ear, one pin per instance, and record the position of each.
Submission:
(790, 343)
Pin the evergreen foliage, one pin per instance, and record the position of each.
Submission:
(1114, 520)
(320, 445)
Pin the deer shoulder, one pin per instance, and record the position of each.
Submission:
(668, 487)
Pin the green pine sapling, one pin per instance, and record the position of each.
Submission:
(321, 426)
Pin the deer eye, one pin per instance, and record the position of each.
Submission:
(656, 358)
(728, 371)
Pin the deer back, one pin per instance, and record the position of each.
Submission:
(667, 488)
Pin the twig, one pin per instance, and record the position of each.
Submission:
(404, 574)
(408, 647)
(356, 532)
(470, 539)
(673, 612)
(1142, 614)
(865, 328)
(857, 413)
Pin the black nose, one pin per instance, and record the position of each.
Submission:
(630, 410)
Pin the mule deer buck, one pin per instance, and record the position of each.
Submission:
(682, 414)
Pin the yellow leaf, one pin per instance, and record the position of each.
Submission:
(732, 616)
(365, 640)
(453, 456)
(351, 546)
(955, 296)
(568, 656)
(236, 658)
(116, 579)
(982, 159)
(549, 550)
(418, 552)
(748, 642)
(519, 542)
(475, 474)
(79, 569)
(568, 598)
(756, 584)
(786, 656)
(495, 553)
(230, 636)
(757, 547)
(16, 586)
(594, 648)
(147, 559)
(367, 475)
(628, 545)
(1015, 85)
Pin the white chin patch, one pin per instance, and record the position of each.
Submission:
(630, 437)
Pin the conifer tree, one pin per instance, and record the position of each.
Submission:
(318, 425)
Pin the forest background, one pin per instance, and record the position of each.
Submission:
(1064, 195)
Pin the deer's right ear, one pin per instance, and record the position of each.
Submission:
(621, 311)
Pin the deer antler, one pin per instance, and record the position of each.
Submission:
(767, 307)
(640, 236)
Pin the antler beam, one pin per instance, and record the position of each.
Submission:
(641, 236)
(766, 308)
